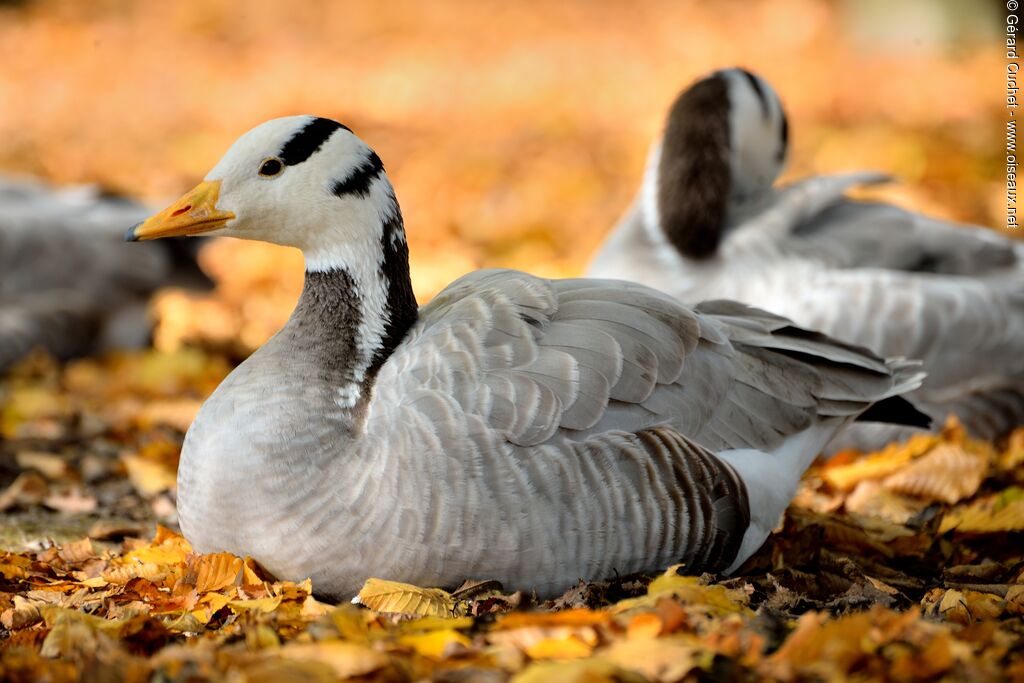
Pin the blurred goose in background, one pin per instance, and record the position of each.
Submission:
(528, 430)
(708, 223)
(68, 283)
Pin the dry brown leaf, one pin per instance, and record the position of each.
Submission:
(963, 606)
(947, 473)
(50, 465)
(27, 489)
(404, 598)
(1011, 459)
(872, 498)
(992, 514)
(77, 551)
(23, 613)
(879, 465)
(216, 571)
(71, 501)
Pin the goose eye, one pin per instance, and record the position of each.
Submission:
(271, 167)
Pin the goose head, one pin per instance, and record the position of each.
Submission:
(309, 182)
(299, 181)
(724, 144)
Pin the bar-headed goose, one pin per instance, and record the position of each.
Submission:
(708, 223)
(68, 283)
(528, 430)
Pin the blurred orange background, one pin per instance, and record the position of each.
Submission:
(514, 133)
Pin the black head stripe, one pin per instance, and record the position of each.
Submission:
(358, 181)
(758, 90)
(308, 140)
(785, 135)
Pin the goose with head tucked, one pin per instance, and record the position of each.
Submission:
(709, 222)
(528, 430)
(68, 284)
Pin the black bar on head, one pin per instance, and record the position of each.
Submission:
(358, 181)
(308, 140)
(756, 85)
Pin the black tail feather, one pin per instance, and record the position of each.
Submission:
(898, 411)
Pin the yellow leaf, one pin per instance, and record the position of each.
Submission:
(250, 577)
(404, 598)
(258, 605)
(662, 659)
(10, 570)
(879, 465)
(577, 671)
(436, 644)
(149, 477)
(567, 647)
(314, 609)
(351, 623)
(167, 548)
(716, 600)
(346, 659)
(208, 606)
(434, 623)
(120, 574)
(993, 514)
(644, 625)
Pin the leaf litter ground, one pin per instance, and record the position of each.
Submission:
(906, 564)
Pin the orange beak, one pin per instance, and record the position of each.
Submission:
(193, 214)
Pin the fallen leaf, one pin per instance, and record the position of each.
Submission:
(346, 660)
(50, 465)
(147, 476)
(947, 473)
(992, 514)
(577, 671)
(403, 598)
(216, 571)
(665, 659)
(879, 465)
(438, 643)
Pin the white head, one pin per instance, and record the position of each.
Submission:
(758, 132)
(724, 143)
(299, 181)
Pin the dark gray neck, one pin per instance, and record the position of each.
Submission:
(332, 327)
(693, 175)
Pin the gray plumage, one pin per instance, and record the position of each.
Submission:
(899, 283)
(69, 284)
(528, 430)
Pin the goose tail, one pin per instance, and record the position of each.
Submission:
(893, 408)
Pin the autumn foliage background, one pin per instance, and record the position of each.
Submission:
(515, 135)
